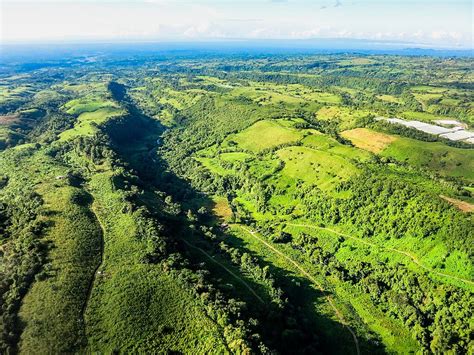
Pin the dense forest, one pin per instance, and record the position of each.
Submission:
(231, 203)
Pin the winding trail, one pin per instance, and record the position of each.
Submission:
(99, 264)
(312, 279)
(405, 253)
(226, 269)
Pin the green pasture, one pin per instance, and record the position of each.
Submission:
(321, 168)
(263, 135)
(87, 122)
(434, 156)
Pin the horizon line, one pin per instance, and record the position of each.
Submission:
(141, 40)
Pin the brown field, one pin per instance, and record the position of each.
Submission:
(222, 209)
(462, 205)
(9, 119)
(369, 140)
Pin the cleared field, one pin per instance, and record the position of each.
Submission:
(323, 97)
(213, 166)
(356, 61)
(9, 119)
(429, 89)
(316, 167)
(234, 156)
(462, 205)
(423, 116)
(347, 116)
(443, 159)
(263, 135)
(221, 208)
(78, 106)
(369, 140)
(390, 98)
(323, 142)
(87, 122)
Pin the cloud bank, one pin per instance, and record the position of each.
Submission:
(434, 22)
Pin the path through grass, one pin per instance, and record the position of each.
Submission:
(312, 279)
(402, 252)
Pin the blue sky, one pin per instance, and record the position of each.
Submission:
(439, 23)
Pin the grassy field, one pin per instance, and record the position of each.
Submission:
(234, 156)
(323, 142)
(315, 167)
(391, 99)
(429, 89)
(263, 135)
(435, 156)
(78, 106)
(221, 208)
(347, 116)
(423, 116)
(88, 121)
(214, 166)
(369, 140)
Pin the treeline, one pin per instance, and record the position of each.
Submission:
(323, 82)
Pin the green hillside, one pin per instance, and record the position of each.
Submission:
(235, 204)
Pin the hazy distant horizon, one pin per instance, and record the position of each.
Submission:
(44, 51)
(353, 42)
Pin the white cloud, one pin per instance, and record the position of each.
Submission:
(184, 19)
